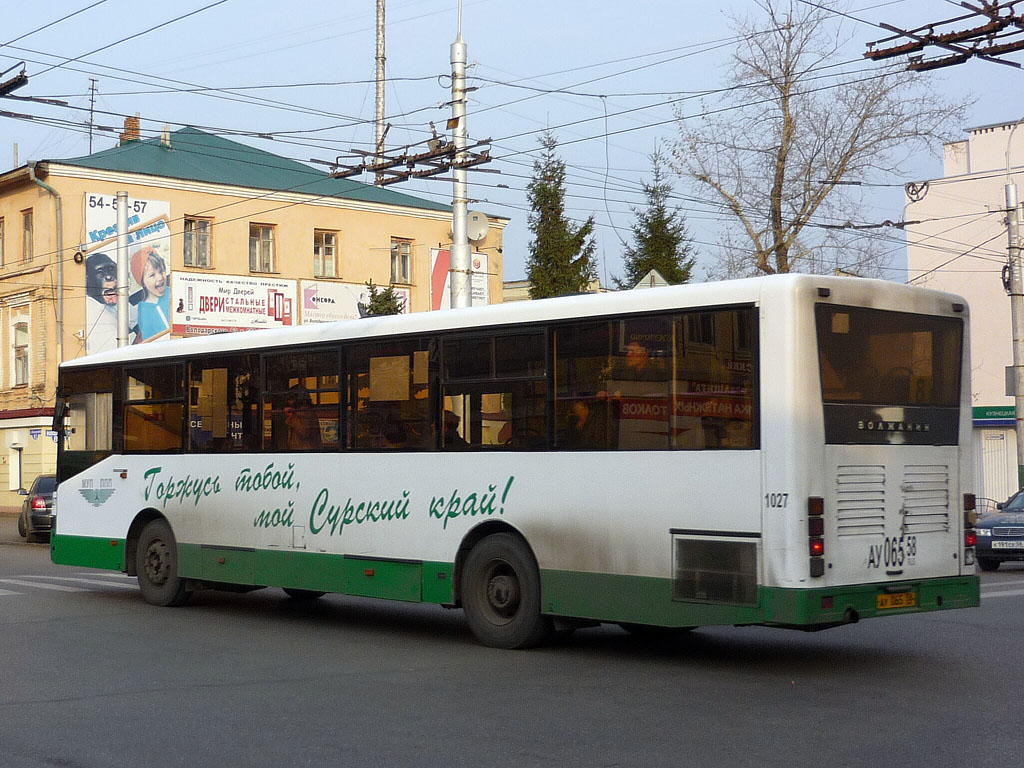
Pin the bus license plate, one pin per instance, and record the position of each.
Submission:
(896, 600)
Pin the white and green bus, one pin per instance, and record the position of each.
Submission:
(790, 451)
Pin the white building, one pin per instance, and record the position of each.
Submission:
(959, 244)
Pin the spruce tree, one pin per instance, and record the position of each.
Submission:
(660, 238)
(383, 302)
(561, 259)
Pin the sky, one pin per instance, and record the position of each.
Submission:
(604, 76)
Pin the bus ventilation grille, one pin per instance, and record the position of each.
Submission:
(925, 505)
(860, 500)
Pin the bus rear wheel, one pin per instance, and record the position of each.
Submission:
(500, 589)
(156, 563)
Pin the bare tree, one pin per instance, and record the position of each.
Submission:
(796, 131)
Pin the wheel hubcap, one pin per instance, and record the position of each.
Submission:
(503, 593)
(158, 563)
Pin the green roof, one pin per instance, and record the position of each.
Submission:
(195, 155)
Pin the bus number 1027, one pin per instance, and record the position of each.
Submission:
(776, 500)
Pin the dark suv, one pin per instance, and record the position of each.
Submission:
(36, 518)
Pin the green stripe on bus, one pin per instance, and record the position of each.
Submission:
(602, 597)
(87, 552)
(410, 581)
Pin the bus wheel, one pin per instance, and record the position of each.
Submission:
(988, 564)
(501, 594)
(303, 594)
(156, 563)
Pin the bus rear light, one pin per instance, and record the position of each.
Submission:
(970, 538)
(815, 526)
(815, 506)
(817, 566)
(817, 547)
(827, 603)
(969, 502)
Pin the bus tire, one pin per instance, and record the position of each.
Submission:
(500, 589)
(156, 564)
(988, 564)
(303, 594)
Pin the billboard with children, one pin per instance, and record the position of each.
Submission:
(149, 280)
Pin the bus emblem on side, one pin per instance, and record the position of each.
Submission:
(96, 496)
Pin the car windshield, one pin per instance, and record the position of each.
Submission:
(45, 484)
(1015, 504)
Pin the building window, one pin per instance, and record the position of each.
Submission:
(2, 260)
(401, 261)
(26, 235)
(197, 242)
(261, 248)
(19, 366)
(325, 253)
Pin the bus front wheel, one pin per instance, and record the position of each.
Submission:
(501, 594)
(156, 563)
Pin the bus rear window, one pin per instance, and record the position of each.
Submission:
(878, 357)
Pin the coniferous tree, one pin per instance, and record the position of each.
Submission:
(660, 237)
(561, 257)
(383, 302)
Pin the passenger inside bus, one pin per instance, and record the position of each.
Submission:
(302, 427)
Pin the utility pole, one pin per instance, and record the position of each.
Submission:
(122, 269)
(378, 144)
(461, 259)
(92, 106)
(1013, 217)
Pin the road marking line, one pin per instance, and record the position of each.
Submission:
(41, 585)
(112, 575)
(93, 581)
(1006, 593)
(1001, 584)
(8, 592)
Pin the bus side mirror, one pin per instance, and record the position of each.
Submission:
(60, 411)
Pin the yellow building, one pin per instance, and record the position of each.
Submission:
(222, 237)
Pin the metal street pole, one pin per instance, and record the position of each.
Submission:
(1013, 218)
(461, 262)
(378, 143)
(122, 269)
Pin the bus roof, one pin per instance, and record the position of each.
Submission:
(745, 291)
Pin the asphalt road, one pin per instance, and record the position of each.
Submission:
(90, 676)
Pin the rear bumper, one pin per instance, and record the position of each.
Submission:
(40, 522)
(826, 607)
(985, 549)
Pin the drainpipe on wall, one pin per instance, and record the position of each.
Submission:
(60, 259)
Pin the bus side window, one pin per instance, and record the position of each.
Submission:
(154, 408)
(224, 405)
(301, 401)
(89, 422)
(391, 391)
(494, 392)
